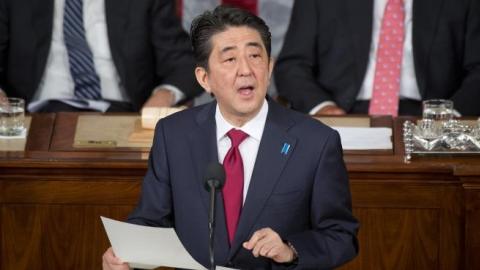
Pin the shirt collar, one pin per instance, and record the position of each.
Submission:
(254, 127)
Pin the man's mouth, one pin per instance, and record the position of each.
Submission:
(246, 90)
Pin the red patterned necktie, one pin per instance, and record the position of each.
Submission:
(233, 189)
(386, 84)
(250, 5)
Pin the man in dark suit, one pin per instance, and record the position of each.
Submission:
(140, 53)
(295, 205)
(329, 56)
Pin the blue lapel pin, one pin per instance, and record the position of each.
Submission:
(285, 149)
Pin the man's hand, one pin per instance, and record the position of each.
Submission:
(161, 98)
(111, 262)
(267, 243)
(3, 95)
(330, 110)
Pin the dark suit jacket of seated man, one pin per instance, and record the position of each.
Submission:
(297, 207)
(148, 49)
(326, 53)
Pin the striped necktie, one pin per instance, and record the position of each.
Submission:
(80, 57)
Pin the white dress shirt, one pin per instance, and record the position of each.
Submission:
(57, 82)
(408, 81)
(248, 148)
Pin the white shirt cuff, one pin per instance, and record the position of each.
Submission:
(177, 94)
(321, 106)
(456, 113)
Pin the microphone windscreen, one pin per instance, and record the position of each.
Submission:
(216, 174)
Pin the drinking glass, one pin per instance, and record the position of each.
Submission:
(438, 109)
(12, 116)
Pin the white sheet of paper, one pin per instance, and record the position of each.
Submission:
(149, 247)
(356, 138)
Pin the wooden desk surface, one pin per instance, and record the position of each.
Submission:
(419, 215)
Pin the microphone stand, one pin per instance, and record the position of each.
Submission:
(211, 224)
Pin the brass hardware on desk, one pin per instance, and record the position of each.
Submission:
(95, 143)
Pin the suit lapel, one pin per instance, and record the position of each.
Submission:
(42, 26)
(359, 14)
(425, 16)
(267, 170)
(203, 145)
(116, 13)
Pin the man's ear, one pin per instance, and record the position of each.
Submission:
(202, 78)
(270, 67)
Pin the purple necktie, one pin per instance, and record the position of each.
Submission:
(233, 189)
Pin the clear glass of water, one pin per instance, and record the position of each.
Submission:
(12, 116)
(438, 109)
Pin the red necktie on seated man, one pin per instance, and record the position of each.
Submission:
(233, 189)
(250, 5)
(388, 65)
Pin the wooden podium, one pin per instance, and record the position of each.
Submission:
(419, 215)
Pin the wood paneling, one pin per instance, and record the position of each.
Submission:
(472, 226)
(70, 192)
(397, 239)
(55, 236)
(41, 129)
(407, 225)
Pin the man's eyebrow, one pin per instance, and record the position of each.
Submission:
(254, 44)
(228, 48)
(249, 44)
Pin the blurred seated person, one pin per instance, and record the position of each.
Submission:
(88, 55)
(381, 57)
(276, 13)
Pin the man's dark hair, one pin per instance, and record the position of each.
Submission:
(212, 22)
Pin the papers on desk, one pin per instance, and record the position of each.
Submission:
(149, 247)
(357, 138)
(151, 115)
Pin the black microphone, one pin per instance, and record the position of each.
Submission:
(214, 181)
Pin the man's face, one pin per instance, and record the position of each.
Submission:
(238, 73)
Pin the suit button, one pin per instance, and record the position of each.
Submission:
(229, 264)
